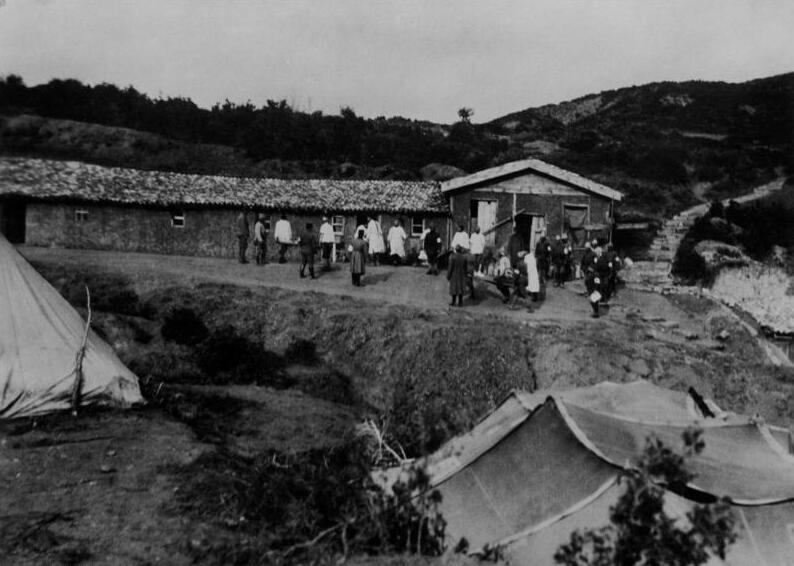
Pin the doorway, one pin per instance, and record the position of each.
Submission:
(12, 221)
(483, 214)
(530, 227)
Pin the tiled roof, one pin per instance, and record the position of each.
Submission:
(51, 180)
(517, 167)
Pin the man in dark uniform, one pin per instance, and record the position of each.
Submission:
(614, 261)
(308, 244)
(242, 237)
(432, 249)
(543, 257)
(558, 261)
(588, 267)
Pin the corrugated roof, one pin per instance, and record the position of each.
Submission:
(516, 167)
(44, 179)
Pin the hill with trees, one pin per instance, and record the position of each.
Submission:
(666, 145)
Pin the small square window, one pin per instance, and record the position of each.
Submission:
(338, 223)
(81, 215)
(177, 219)
(417, 226)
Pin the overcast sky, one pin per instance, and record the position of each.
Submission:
(420, 59)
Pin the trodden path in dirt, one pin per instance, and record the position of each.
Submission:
(403, 285)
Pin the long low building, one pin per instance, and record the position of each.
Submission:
(72, 204)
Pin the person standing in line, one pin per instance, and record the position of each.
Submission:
(308, 244)
(519, 280)
(396, 237)
(283, 237)
(567, 266)
(374, 237)
(260, 240)
(533, 278)
(614, 261)
(514, 245)
(477, 247)
(327, 241)
(543, 256)
(456, 275)
(504, 275)
(432, 246)
(358, 257)
(471, 267)
(461, 238)
(557, 260)
(243, 232)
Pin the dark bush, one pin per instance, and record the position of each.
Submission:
(226, 357)
(301, 352)
(278, 501)
(689, 266)
(183, 326)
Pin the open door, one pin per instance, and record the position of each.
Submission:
(484, 214)
(12, 221)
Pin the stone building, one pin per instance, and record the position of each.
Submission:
(531, 196)
(77, 205)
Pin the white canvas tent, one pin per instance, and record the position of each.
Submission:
(545, 464)
(40, 335)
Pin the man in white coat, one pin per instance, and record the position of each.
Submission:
(327, 241)
(396, 237)
(374, 237)
(283, 237)
(477, 247)
(461, 238)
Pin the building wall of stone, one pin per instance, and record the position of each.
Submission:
(206, 232)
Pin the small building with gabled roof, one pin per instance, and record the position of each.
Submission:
(73, 204)
(533, 197)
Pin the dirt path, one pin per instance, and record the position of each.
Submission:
(407, 286)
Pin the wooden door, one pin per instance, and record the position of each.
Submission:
(486, 219)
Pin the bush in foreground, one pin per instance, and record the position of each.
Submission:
(641, 532)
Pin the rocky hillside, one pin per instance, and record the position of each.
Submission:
(667, 146)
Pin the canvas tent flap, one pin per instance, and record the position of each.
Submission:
(738, 461)
(40, 335)
(538, 470)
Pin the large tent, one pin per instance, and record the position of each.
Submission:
(545, 464)
(40, 337)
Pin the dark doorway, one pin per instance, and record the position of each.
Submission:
(12, 221)
(524, 229)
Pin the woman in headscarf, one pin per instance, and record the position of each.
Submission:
(358, 255)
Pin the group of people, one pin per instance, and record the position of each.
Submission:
(521, 273)
(600, 266)
(517, 272)
(368, 244)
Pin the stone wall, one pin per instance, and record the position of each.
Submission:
(205, 232)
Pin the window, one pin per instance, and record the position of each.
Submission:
(81, 215)
(338, 223)
(417, 226)
(177, 219)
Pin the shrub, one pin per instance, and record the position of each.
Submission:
(688, 265)
(311, 506)
(226, 357)
(183, 326)
(641, 532)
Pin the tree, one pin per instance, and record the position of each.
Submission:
(465, 114)
(641, 532)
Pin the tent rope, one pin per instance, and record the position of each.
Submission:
(78, 370)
